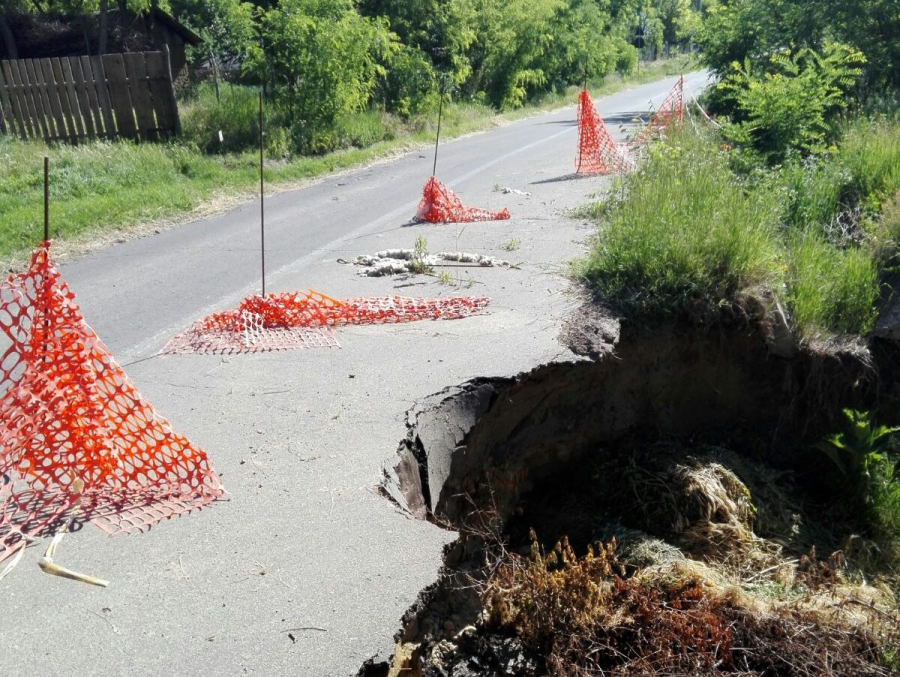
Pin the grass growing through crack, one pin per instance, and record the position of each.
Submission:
(418, 262)
(510, 245)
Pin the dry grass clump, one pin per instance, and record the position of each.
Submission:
(584, 617)
(705, 508)
(725, 600)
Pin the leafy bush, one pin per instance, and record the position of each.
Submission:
(793, 106)
(861, 453)
(361, 130)
(684, 233)
(831, 289)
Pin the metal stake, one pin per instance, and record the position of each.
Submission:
(262, 196)
(46, 198)
(438, 136)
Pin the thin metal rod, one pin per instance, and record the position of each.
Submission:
(46, 198)
(437, 138)
(262, 196)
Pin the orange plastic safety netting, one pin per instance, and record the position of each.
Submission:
(670, 112)
(597, 152)
(305, 320)
(439, 204)
(73, 428)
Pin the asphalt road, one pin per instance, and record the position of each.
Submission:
(305, 570)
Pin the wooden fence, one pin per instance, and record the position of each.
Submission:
(80, 97)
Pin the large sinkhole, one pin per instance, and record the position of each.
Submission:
(683, 461)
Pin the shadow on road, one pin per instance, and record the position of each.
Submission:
(564, 177)
(628, 118)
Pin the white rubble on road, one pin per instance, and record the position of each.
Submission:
(400, 261)
(514, 191)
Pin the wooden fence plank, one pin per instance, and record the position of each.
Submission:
(49, 119)
(69, 80)
(9, 117)
(102, 90)
(91, 91)
(23, 114)
(162, 92)
(170, 88)
(53, 95)
(117, 80)
(72, 98)
(64, 103)
(15, 102)
(28, 94)
(140, 95)
(84, 102)
(19, 96)
(27, 66)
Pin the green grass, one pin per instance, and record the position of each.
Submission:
(831, 290)
(813, 192)
(107, 186)
(104, 187)
(870, 150)
(683, 235)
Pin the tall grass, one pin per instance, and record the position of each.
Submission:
(235, 114)
(813, 190)
(831, 290)
(687, 234)
(870, 151)
(683, 234)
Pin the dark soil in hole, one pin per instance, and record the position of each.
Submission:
(660, 556)
(639, 486)
(658, 509)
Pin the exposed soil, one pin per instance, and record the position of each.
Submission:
(681, 459)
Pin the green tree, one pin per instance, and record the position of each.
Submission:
(228, 27)
(735, 30)
(443, 30)
(513, 39)
(320, 59)
(792, 105)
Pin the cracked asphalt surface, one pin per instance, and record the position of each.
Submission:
(305, 569)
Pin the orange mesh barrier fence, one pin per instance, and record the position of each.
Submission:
(73, 428)
(305, 319)
(439, 204)
(597, 152)
(670, 112)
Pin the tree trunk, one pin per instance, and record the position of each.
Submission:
(104, 27)
(8, 39)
